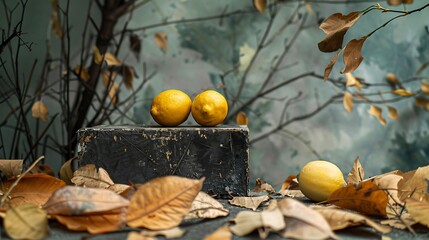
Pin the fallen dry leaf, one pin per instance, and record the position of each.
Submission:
(167, 233)
(353, 81)
(291, 193)
(415, 185)
(10, 168)
(336, 26)
(366, 198)
(403, 92)
(90, 176)
(138, 236)
(42, 168)
(249, 202)
(94, 223)
(162, 202)
(331, 64)
(352, 56)
(348, 101)
(357, 173)
(160, 39)
(339, 219)
(26, 221)
(404, 222)
(265, 222)
(260, 5)
(377, 112)
(242, 119)
(389, 183)
(303, 222)
(290, 182)
(32, 188)
(418, 211)
(66, 171)
(205, 206)
(222, 233)
(393, 113)
(73, 200)
(40, 111)
(262, 186)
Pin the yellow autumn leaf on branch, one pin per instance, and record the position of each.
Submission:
(260, 5)
(376, 111)
(40, 111)
(425, 87)
(393, 113)
(160, 39)
(402, 92)
(348, 101)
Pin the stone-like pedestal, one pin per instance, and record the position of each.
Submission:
(136, 154)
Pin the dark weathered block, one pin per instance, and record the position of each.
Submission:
(137, 154)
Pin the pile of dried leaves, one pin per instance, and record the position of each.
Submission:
(94, 203)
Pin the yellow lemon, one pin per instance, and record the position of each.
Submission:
(209, 108)
(318, 179)
(171, 108)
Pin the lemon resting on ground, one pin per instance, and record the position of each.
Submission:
(318, 179)
(209, 108)
(171, 108)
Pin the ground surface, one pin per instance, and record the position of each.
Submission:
(198, 229)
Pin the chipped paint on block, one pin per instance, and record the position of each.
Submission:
(136, 154)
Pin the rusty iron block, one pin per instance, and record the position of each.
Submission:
(136, 154)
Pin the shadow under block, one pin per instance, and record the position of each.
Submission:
(136, 154)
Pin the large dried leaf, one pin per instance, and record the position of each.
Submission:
(73, 200)
(222, 233)
(291, 193)
(357, 173)
(348, 101)
(403, 92)
(26, 221)
(167, 233)
(128, 76)
(94, 223)
(262, 186)
(160, 39)
(242, 119)
(418, 210)
(290, 182)
(405, 221)
(265, 221)
(10, 168)
(366, 198)
(336, 27)
(67, 170)
(162, 202)
(425, 87)
(398, 2)
(330, 65)
(90, 176)
(248, 202)
(55, 19)
(393, 113)
(135, 45)
(352, 56)
(415, 185)
(205, 206)
(303, 222)
(353, 81)
(40, 111)
(389, 183)
(260, 5)
(377, 112)
(32, 188)
(42, 168)
(339, 219)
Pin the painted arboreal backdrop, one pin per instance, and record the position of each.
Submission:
(266, 61)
